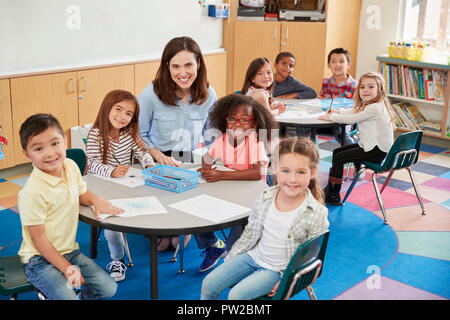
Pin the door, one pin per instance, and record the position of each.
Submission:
(253, 39)
(94, 84)
(6, 126)
(53, 93)
(306, 41)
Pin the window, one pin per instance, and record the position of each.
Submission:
(427, 20)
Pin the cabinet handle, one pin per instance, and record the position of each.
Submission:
(73, 85)
(275, 33)
(84, 84)
(287, 33)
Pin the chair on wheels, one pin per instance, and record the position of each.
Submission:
(305, 267)
(79, 157)
(13, 280)
(402, 155)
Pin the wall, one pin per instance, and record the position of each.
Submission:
(46, 33)
(379, 24)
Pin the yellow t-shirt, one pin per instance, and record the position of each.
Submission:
(53, 202)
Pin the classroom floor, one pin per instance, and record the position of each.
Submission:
(365, 259)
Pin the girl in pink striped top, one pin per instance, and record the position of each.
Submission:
(109, 147)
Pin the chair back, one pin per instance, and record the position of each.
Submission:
(79, 157)
(304, 268)
(12, 276)
(404, 152)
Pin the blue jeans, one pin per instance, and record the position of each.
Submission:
(247, 279)
(54, 285)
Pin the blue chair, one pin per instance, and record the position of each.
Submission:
(305, 267)
(402, 155)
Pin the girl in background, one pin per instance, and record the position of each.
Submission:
(109, 146)
(259, 83)
(284, 216)
(375, 127)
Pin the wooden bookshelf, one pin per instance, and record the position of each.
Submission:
(432, 110)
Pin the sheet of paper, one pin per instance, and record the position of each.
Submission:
(210, 208)
(293, 114)
(136, 207)
(133, 178)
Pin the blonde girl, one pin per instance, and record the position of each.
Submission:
(285, 216)
(376, 131)
(109, 145)
(258, 84)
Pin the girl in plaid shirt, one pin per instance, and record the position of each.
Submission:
(284, 216)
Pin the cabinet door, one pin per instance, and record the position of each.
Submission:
(6, 125)
(94, 84)
(216, 66)
(253, 39)
(53, 93)
(144, 74)
(306, 41)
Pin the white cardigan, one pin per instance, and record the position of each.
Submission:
(374, 126)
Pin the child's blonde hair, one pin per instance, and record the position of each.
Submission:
(381, 96)
(305, 147)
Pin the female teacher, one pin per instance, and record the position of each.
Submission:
(173, 117)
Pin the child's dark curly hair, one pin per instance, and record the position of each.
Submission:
(226, 105)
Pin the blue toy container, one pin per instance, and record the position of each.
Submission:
(170, 178)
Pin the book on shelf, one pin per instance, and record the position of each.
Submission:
(414, 82)
(408, 116)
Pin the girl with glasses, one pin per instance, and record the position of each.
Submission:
(244, 126)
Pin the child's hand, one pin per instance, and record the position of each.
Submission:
(104, 206)
(74, 277)
(274, 289)
(324, 117)
(211, 175)
(120, 171)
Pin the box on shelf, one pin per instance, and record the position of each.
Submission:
(219, 10)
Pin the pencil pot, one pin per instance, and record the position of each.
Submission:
(170, 178)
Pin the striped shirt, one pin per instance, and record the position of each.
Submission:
(120, 150)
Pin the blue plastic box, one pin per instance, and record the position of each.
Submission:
(170, 178)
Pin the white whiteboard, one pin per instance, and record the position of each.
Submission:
(50, 33)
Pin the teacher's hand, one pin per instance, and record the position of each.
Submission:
(163, 159)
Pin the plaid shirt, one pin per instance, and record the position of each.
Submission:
(331, 89)
(308, 223)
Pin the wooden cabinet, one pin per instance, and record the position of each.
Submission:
(94, 84)
(310, 42)
(52, 93)
(6, 124)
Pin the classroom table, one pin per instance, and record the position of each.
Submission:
(302, 114)
(172, 223)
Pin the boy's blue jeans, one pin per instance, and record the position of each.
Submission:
(54, 285)
(249, 280)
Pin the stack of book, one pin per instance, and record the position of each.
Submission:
(425, 84)
(408, 116)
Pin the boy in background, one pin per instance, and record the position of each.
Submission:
(339, 85)
(49, 208)
(286, 86)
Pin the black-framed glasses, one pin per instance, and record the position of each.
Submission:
(236, 119)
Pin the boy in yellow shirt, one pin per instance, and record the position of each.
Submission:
(49, 208)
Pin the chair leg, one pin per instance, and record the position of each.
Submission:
(380, 200)
(355, 180)
(180, 249)
(387, 180)
(127, 250)
(416, 189)
(347, 174)
(311, 293)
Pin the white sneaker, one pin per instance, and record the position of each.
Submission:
(117, 270)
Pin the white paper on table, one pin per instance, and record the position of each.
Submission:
(293, 114)
(133, 178)
(136, 207)
(210, 208)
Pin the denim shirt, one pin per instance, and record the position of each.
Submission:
(179, 127)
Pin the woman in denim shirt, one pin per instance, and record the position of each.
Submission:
(173, 118)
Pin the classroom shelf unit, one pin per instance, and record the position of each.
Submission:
(421, 87)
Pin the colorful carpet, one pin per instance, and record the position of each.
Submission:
(409, 259)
